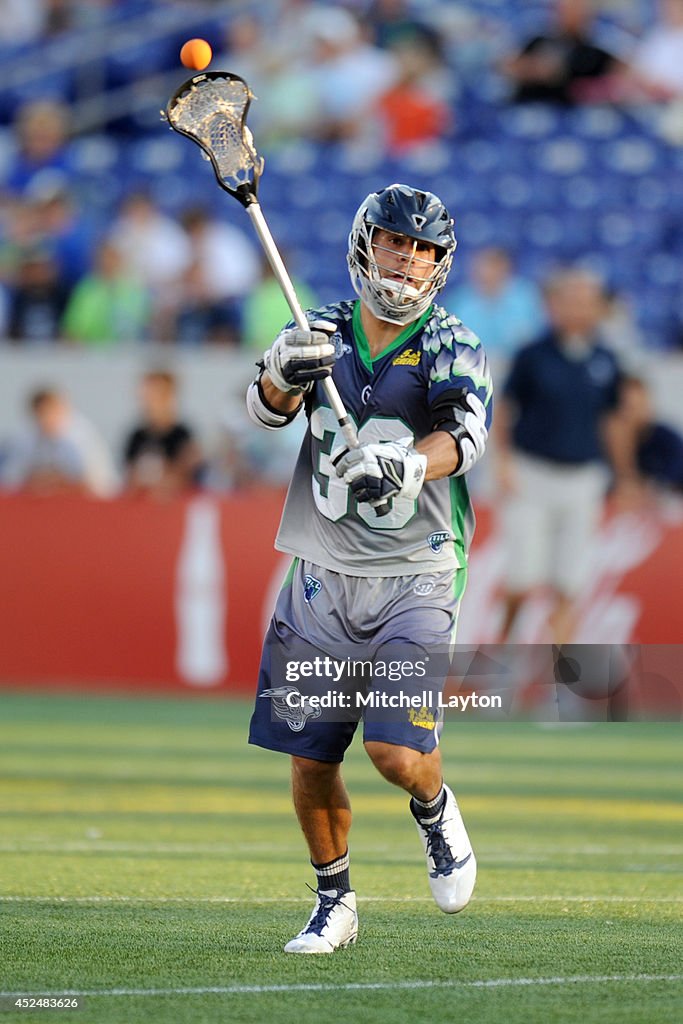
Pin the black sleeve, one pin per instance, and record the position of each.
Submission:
(180, 437)
(133, 446)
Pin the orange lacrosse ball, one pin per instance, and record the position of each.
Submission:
(196, 54)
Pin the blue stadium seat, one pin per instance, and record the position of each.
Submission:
(633, 155)
(563, 155)
(598, 122)
(531, 121)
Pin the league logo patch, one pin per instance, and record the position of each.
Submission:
(437, 540)
(423, 719)
(312, 587)
(408, 358)
(293, 711)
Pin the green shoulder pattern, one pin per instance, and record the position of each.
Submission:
(455, 351)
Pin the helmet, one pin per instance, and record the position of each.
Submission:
(400, 298)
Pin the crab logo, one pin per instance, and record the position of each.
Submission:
(437, 540)
(293, 712)
(312, 587)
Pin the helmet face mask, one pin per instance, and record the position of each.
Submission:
(400, 290)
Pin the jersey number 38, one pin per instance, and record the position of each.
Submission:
(332, 496)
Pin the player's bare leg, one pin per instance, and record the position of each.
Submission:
(511, 606)
(419, 774)
(562, 621)
(324, 812)
(322, 807)
(451, 863)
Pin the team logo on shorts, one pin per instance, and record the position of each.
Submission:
(423, 719)
(437, 540)
(424, 588)
(289, 704)
(312, 587)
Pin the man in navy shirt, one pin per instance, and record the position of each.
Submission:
(561, 391)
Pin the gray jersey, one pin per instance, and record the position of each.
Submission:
(388, 397)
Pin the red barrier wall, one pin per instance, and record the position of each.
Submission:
(139, 594)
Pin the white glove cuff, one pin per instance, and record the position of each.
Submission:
(262, 413)
(415, 467)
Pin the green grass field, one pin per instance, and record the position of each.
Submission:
(150, 859)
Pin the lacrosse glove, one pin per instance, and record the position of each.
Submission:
(298, 358)
(377, 472)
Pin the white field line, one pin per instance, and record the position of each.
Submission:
(96, 845)
(306, 899)
(232, 990)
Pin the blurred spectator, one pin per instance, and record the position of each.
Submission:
(22, 21)
(563, 65)
(42, 131)
(160, 454)
(60, 451)
(278, 75)
(392, 21)
(17, 237)
(153, 245)
(109, 304)
(620, 332)
(656, 67)
(156, 250)
(266, 311)
(415, 109)
(60, 225)
(502, 308)
(654, 452)
(347, 75)
(45, 249)
(224, 267)
(37, 298)
(62, 15)
(551, 446)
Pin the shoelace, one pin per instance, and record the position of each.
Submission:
(326, 904)
(437, 846)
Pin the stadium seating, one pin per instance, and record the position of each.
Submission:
(595, 183)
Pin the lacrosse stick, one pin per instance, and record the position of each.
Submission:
(211, 109)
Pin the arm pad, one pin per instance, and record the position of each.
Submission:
(262, 413)
(462, 415)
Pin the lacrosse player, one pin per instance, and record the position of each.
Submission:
(379, 534)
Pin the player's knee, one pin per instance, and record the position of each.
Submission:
(397, 764)
(304, 768)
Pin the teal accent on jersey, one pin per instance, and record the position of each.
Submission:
(287, 581)
(459, 584)
(363, 346)
(387, 398)
(462, 517)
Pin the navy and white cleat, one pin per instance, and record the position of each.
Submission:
(332, 925)
(451, 862)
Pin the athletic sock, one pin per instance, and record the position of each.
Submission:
(334, 874)
(429, 812)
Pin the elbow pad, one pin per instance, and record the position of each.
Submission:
(262, 413)
(462, 416)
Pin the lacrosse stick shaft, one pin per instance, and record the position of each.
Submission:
(263, 231)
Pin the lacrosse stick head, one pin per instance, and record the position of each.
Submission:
(211, 109)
